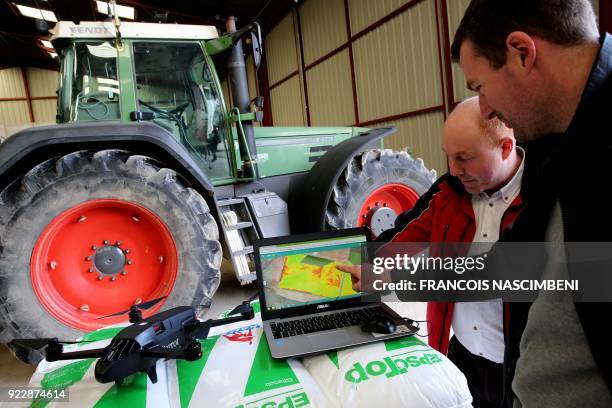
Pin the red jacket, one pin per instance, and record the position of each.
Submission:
(444, 214)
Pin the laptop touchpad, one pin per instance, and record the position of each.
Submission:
(329, 339)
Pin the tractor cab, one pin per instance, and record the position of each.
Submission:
(170, 81)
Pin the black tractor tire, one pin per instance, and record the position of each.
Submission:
(367, 172)
(31, 202)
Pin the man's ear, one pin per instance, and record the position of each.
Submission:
(507, 146)
(521, 50)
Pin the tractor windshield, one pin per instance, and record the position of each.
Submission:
(174, 82)
(95, 90)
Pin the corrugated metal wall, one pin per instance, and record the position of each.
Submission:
(16, 102)
(44, 110)
(282, 62)
(456, 9)
(397, 65)
(42, 82)
(390, 64)
(11, 84)
(366, 12)
(12, 112)
(421, 136)
(330, 92)
(287, 104)
(323, 28)
(281, 50)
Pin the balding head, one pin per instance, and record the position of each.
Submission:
(467, 113)
(481, 153)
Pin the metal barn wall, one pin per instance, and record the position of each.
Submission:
(13, 101)
(397, 65)
(323, 28)
(282, 65)
(361, 63)
(330, 92)
(281, 50)
(456, 9)
(27, 97)
(366, 12)
(422, 133)
(43, 84)
(287, 104)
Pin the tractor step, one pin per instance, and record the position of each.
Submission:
(239, 232)
(247, 218)
(240, 225)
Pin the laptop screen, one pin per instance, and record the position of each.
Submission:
(303, 273)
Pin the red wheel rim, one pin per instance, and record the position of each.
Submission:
(395, 196)
(76, 263)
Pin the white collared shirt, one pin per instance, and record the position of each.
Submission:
(479, 325)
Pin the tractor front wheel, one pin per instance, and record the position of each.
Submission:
(90, 234)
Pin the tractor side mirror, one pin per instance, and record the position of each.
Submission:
(257, 46)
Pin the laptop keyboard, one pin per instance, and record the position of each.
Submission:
(320, 323)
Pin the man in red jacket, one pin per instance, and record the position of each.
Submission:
(476, 201)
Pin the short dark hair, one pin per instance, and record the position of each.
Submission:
(487, 23)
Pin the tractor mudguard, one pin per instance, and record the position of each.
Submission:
(20, 151)
(309, 206)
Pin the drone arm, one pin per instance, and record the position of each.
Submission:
(53, 355)
(227, 320)
(200, 330)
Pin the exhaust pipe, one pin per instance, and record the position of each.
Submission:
(240, 94)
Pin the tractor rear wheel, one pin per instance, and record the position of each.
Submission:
(375, 188)
(90, 234)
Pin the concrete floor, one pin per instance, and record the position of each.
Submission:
(230, 294)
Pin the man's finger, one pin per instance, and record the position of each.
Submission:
(355, 271)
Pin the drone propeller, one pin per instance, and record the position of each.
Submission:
(40, 343)
(142, 306)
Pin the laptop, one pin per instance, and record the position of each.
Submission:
(308, 306)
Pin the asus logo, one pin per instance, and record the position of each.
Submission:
(323, 306)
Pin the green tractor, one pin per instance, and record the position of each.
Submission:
(149, 178)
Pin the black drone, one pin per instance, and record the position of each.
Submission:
(171, 334)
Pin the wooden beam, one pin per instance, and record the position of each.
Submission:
(351, 61)
(26, 85)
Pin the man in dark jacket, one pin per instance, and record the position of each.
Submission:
(541, 67)
(475, 201)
